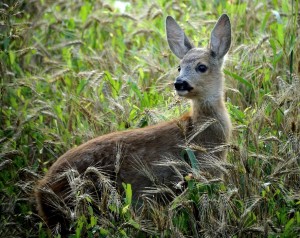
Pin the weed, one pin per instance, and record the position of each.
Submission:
(71, 71)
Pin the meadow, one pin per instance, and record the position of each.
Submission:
(74, 70)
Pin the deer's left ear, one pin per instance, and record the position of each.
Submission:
(220, 38)
(177, 40)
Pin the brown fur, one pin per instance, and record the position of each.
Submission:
(152, 143)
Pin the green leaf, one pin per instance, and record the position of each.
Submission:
(289, 224)
(193, 159)
(128, 194)
(125, 209)
(134, 223)
(81, 86)
(265, 20)
(93, 221)
(280, 33)
(84, 11)
(104, 232)
(12, 57)
(238, 78)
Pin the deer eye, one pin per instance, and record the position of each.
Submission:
(201, 68)
(179, 68)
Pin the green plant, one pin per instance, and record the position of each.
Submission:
(71, 71)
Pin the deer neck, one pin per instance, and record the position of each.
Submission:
(212, 107)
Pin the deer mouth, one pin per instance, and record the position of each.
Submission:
(181, 86)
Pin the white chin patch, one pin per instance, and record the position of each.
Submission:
(182, 93)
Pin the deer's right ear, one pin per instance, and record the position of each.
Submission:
(177, 40)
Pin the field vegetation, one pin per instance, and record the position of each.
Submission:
(74, 70)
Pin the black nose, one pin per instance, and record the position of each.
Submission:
(182, 85)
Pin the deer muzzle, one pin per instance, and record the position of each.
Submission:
(182, 85)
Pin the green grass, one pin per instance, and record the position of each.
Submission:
(74, 70)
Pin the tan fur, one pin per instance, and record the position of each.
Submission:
(153, 143)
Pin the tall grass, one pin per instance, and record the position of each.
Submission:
(74, 70)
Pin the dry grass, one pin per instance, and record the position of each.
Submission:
(73, 70)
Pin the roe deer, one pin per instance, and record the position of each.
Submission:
(201, 80)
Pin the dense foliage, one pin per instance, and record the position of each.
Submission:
(73, 70)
